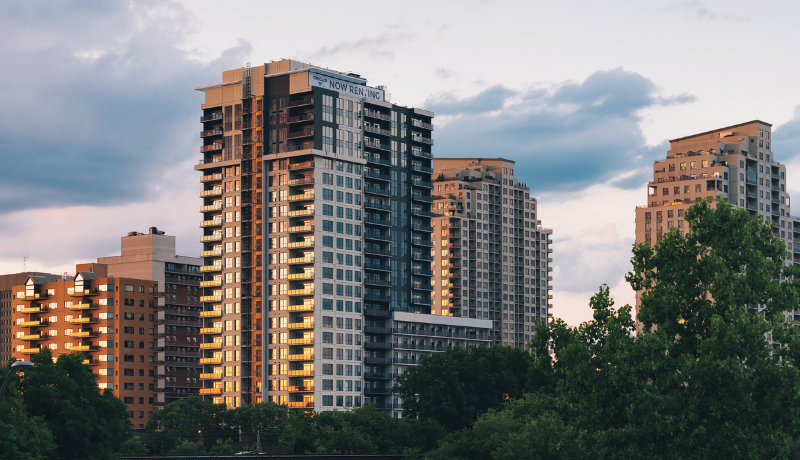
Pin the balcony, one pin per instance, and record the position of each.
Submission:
(421, 286)
(212, 147)
(377, 190)
(377, 205)
(211, 298)
(211, 117)
(421, 241)
(211, 283)
(30, 351)
(376, 145)
(421, 197)
(420, 168)
(84, 334)
(376, 114)
(34, 310)
(300, 229)
(211, 207)
(41, 336)
(421, 271)
(377, 160)
(301, 325)
(371, 249)
(301, 372)
(420, 300)
(421, 183)
(301, 244)
(302, 307)
(303, 165)
(211, 253)
(300, 404)
(211, 330)
(301, 118)
(377, 236)
(211, 314)
(211, 132)
(211, 177)
(211, 223)
(211, 375)
(308, 132)
(421, 124)
(301, 357)
(377, 221)
(301, 341)
(306, 291)
(210, 360)
(301, 276)
(211, 346)
(217, 191)
(421, 139)
(378, 375)
(83, 306)
(36, 296)
(377, 130)
(301, 212)
(301, 181)
(211, 268)
(373, 266)
(301, 260)
(89, 362)
(83, 320)
(377, 391)
(376, 175)
(419, 153)
(376, 282)
(302, 101)
(302, 197)
(211, 391)
(214, 237)
(377, 312)
(84, 348)
(301, 388)
(421, 256)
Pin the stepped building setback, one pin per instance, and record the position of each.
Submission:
(736, 163)
(317, 249)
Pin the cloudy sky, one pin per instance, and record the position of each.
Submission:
(99, 127)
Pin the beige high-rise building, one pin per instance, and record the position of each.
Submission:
(151, 256)
(491, 253)
(736, 163)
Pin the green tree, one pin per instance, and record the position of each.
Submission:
(455, 387)
(262, 423)
(21, 436)
(84, 422)
(192, 419)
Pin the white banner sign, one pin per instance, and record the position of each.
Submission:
(324, 81)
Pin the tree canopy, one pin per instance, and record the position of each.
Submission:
(697, 380)
(455, 387)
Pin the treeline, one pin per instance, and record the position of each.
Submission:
(58, 412)
(707, 370)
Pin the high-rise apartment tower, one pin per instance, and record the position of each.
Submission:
(491, 253)
(735, 163)
(151, 256)
(317, 229)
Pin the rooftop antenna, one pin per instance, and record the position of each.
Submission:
(25, 264)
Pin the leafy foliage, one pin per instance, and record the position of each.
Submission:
(84, 422)
(190, 419)
(455, 387)
(698, 380)
(21, 436)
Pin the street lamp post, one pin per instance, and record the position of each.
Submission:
(16, 366)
